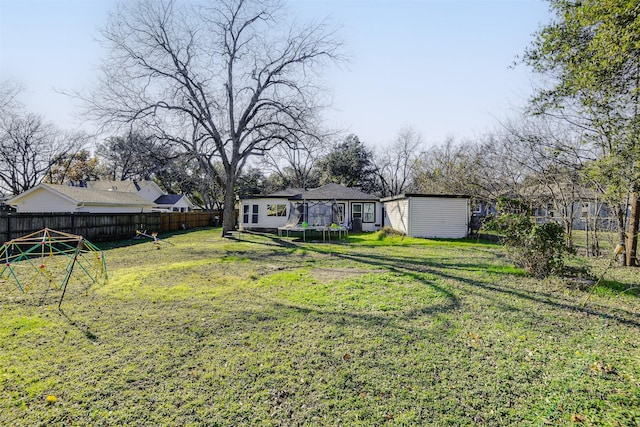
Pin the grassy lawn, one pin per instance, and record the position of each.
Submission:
(200, 330)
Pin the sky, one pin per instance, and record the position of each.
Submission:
(441, 67)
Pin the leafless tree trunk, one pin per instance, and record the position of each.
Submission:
(226, 79)
(632, 239)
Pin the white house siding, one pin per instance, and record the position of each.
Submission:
(398, 215)
(438, 217)
(183, 205)
(366, 226)
(150, 192)
(377, 223)
(264, 221)
(272, 222)
(45, 201)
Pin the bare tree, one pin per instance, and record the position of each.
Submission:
(295, 166)
(482, 169)
(29, 146)
(224, 80)
(9, 92)
(495, 173)
(551, 155)
(395, 165)
(446, 169)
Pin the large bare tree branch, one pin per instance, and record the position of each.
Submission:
(233, 71)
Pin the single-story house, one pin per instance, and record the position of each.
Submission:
(322, 206)
(429, 216)
(173, 203)
(65, 198)
(148, 190)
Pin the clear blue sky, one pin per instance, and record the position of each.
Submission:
(441, 67)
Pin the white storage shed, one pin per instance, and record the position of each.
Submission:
(428, 215)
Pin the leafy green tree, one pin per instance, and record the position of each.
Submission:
(135, 156)
(252, 182)
(538, 248)
(591, 51)
(350, 163)
(76, 167)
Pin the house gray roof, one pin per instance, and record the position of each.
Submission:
(168, 199)
(326, 192)
(91, 196)
(337, 191)
(121, 186)
(289, 192)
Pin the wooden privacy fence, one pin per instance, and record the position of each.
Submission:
(104, 227)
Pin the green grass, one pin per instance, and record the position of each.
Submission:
(377, 331)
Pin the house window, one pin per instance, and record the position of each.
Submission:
(245, 214)
(356, 211)
(585, 210)
(254, 215)
(277, 210)
(303, 212)
(369, 212)
(340, 214)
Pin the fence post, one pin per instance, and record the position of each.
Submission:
(8, 226)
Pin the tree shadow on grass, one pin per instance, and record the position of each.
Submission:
(84, 329)
(392, 325)
(416, 266)
(404, 265)
(620, 288)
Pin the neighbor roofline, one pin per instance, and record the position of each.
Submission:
(44, 186)
(408, 195)
(301, 198)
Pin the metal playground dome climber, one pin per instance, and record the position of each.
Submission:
(49, 259)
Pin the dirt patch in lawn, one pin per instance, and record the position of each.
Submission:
(326, 275)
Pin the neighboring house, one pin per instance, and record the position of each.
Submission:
(173, 203)
(429, 216)
(149, 190)
(65, 198)
(323, 206)
(585, 213)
